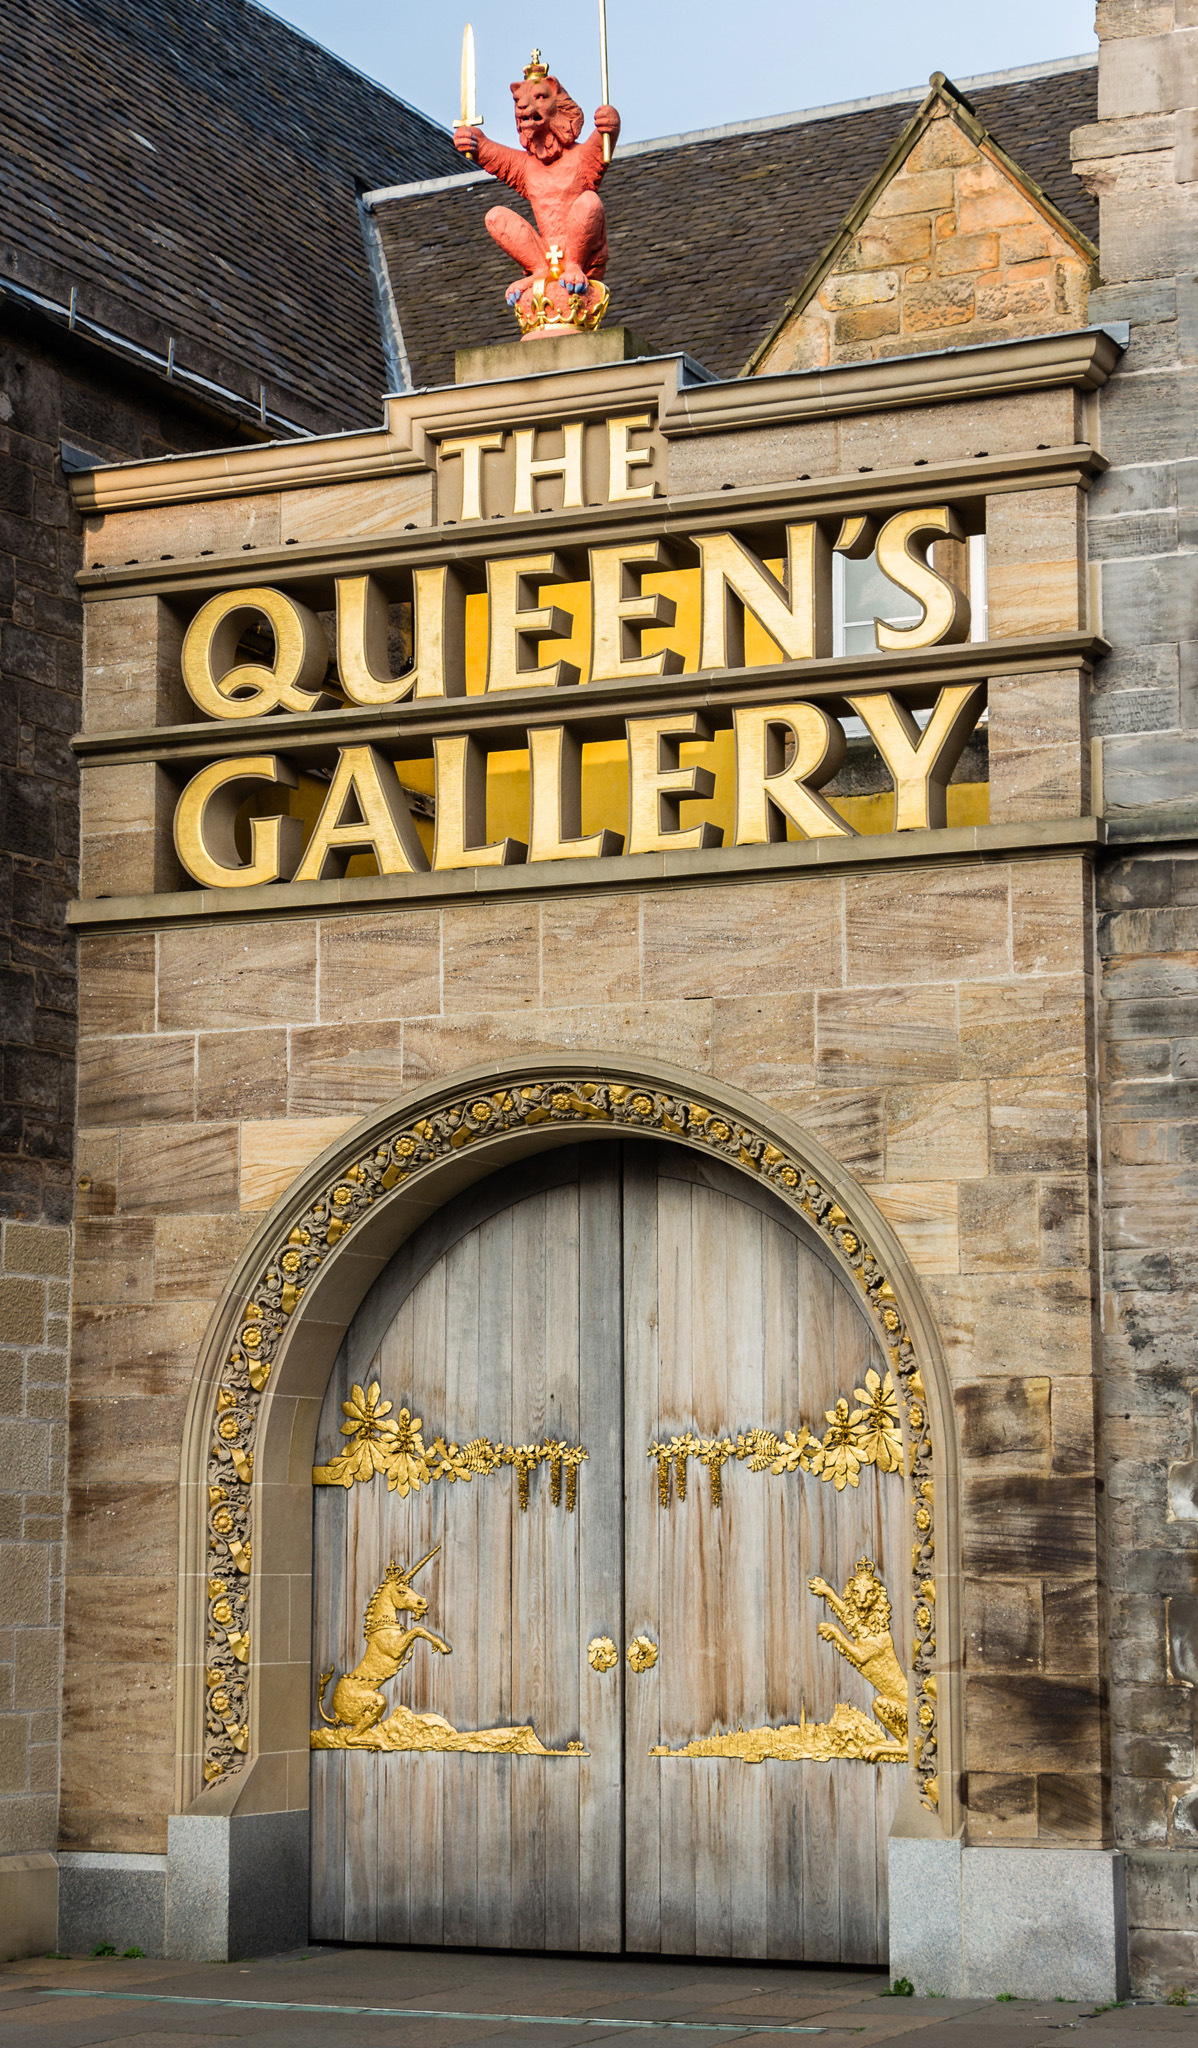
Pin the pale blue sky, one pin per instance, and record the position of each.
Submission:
(677, 66)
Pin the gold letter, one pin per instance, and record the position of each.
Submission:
(945, 608)
(622, 458)
(518, 623)
(555, 764)
(767, 791)
(383, 825)
(656, 784)
(438, 639)
(620, 611)
(205, 816)
(210, 650)
(472, 449)
(462, 809)
(567, 465)
(921, 763)
(735, 581)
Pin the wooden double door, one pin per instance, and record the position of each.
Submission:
(607, 1299)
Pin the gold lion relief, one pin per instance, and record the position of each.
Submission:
(866, 1642)
(357, 1722)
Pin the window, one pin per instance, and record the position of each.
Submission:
(861, 593)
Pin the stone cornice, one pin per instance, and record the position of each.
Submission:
(950, 846)
(1083, 359)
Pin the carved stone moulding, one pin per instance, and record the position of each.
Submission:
(398, 1157)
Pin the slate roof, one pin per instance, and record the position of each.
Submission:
(709, 236)
(190, 166)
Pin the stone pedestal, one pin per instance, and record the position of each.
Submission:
(1040, 1923)
(236, 1885)
(533, 358)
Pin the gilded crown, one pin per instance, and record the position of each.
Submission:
(536, 66)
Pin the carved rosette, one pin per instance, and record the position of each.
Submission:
(416, 1147)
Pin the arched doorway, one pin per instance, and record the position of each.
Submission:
(598, 1393)
(246, 1679)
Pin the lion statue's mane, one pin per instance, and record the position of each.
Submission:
(566, 119)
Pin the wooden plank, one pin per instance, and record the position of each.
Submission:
(531, 1623)
(599, 1540)
(496, 1510)
(462, 1514)
(644, 1777)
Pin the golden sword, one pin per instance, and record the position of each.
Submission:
(603, 72)
(470, 119)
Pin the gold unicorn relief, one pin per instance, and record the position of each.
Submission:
(357, 1722)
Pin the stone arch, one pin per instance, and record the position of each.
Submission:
(262, 1372)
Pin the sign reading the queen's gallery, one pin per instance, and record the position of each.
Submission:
(637, 629)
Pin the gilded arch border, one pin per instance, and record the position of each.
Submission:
(264, 1365)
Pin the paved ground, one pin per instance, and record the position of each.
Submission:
(405, 1998)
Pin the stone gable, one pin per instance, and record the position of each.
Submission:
(950, 246)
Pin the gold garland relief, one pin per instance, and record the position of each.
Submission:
(868, 1435)
(380, 1442)
(401, 1157)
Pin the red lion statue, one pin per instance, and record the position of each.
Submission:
(565, 256)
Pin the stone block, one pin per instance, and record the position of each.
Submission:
(40, 1248)
(1148, 74)
(1004, 1623)
(373, 968)
(1050, 1923)
(763, 1044)
(216, 526)
(177, 1169)
(753, 455)
(25, 1457)
(942, 433)
(987, 1319)
(28, 1904)
(1034, 562)
(590, 950)
(22, 1311)
(116, 983)
(24, 1586)
(924, 1885)
(111, 1898)
(851, 1122)
(781, 935)
(924, 1216)
(343, 1071)
(1039, 746)
(150, 1079)
(375, 505)
(126, 816)
(679, 1032)
(1149, 771)
(132, 648)
(1039, 1126)
(237, 977)
(1026, 1521)
(948, 925)
(1006, 1419)
(1028, 1722)
(936, 1133)
(236, 1885)
(240, 1074)
(998, 1223)
(1050, 911)
(880, 1035)
(1002, 1806)
(194, 1256)
(1030, 1027)
(274, 1152)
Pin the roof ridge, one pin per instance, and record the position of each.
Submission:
(1053, 68)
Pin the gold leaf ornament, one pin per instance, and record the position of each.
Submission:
(642, 1653)
(839, 1456)
(879, 1436)
(602, 1654)
(407, 1467)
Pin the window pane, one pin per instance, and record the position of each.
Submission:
(869, 595)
